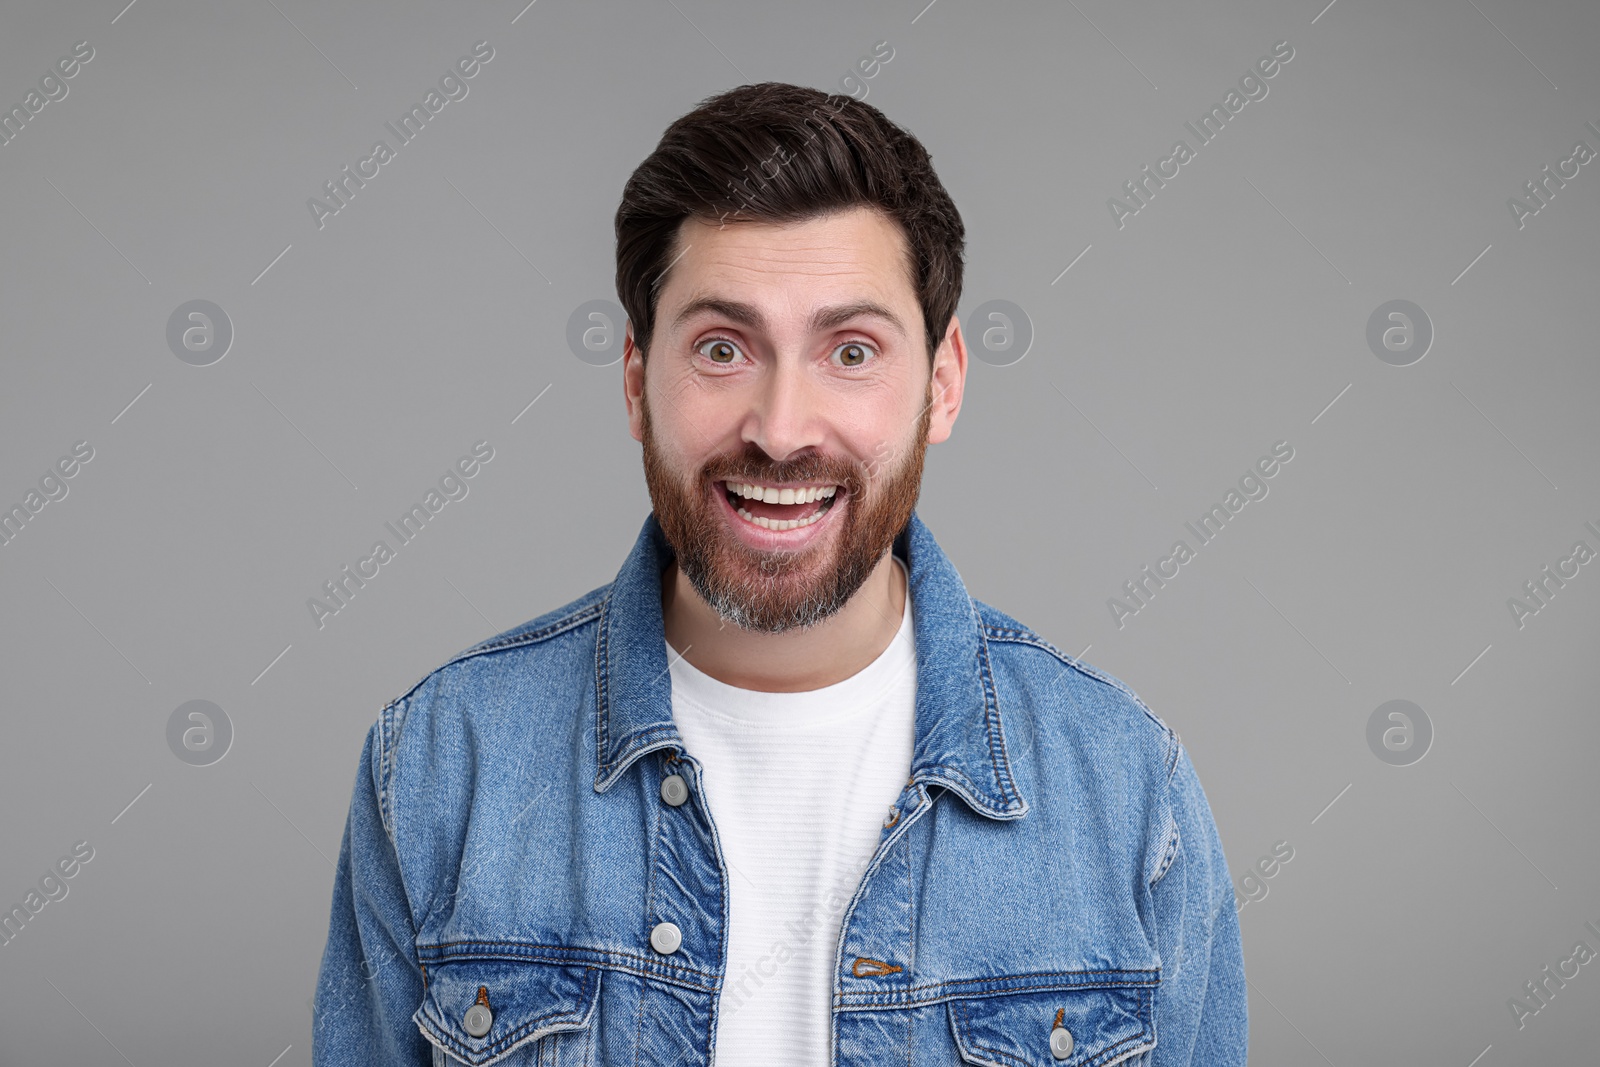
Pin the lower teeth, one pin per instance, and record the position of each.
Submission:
(780, 524)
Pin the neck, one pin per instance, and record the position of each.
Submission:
(792, 662)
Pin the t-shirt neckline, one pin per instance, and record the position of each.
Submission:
(808, 708)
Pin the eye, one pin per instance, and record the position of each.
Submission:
(853, 354)
(721, 351)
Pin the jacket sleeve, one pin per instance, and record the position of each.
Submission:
(370, 982)
(1201, 1015)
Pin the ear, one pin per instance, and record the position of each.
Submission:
(949, 379)
(633, 383)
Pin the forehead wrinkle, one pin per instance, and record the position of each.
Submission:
(808, 252)
(823, 318)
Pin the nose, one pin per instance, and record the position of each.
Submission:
(785, 414)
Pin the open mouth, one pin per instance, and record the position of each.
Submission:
(780, 508)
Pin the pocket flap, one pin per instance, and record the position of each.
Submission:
(526, 999)
(1107, 1024)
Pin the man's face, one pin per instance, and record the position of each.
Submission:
(788, 361)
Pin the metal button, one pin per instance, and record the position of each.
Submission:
(665, 938)
(477, 1020)
(673, 789)
(1061, 1042)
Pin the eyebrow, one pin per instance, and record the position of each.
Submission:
(824, 318)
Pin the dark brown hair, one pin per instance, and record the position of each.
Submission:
(776, 152)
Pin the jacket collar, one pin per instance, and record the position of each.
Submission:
(960, 743)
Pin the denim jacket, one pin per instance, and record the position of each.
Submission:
(1049, 890)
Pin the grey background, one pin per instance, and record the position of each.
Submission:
(1228, 314)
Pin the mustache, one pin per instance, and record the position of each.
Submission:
(754, 465)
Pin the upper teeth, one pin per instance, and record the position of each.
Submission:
(781, 496)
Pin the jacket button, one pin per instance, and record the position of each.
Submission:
(665, 938)
(477, 1020)
(673, 789)
(1061, 1042)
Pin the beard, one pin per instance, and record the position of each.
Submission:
(773, 592)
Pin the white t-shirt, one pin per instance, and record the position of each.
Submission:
(799, 786)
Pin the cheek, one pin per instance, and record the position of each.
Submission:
(864, 439)
(695, 409)
(682, 436)
(880, 421)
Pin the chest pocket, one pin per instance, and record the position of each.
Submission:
(482, 1010)
(1086, 1027)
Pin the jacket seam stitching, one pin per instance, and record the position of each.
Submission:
(1174, 843)
(998, 757)
(615, 960)
(511, 1039)
(1028, 637)
(602, 690)
(385, 773)
(566, 622)
(533, 636)
(961, 1011)
(1025, 989)
(1143, 1015)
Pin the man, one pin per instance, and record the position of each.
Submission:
(782, 793)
